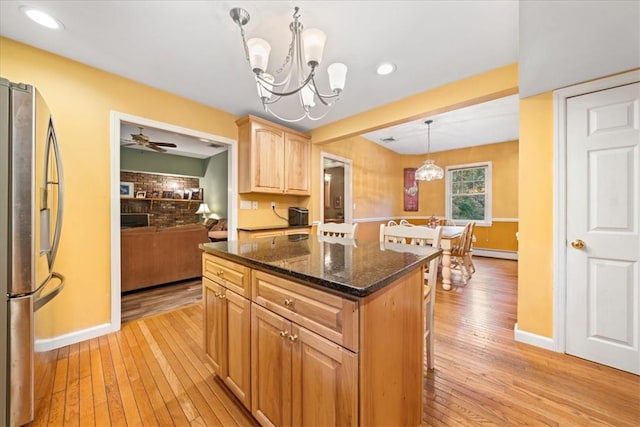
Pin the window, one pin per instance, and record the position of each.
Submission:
(469, 193)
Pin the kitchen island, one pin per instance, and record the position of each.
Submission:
(310, 330)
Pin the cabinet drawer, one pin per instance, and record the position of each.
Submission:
(227, 273)
(331, 316)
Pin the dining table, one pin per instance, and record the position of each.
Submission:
(448, 238)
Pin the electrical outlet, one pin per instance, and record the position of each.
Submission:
(254, 204)
(273, 205)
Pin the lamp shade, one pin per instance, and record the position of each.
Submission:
(429, 171)
(307, 97)
(203, 209)
(265, 85)
(259, 51)
(313, 43)
(337, 76)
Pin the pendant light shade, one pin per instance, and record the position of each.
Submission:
(429, 171)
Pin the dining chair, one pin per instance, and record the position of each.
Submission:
(461, 253)
(405, 222)
(337, 229)
(420, 236)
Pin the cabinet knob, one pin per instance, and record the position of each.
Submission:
(284, 334)
(288, 302)
(292, 338)
(219, 273)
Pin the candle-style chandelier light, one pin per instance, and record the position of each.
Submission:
(306, 48)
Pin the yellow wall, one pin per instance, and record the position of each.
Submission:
(81, 99)
(535, 256)
(378, 186)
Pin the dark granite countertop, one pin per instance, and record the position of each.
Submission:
(272, 227)
(351, 267)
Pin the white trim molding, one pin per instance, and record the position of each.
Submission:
(533, 339)
(46, 344)
(560, 196)
(495, 253)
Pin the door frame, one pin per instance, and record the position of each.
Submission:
(560, 194)
(348, 192)
(232, 194)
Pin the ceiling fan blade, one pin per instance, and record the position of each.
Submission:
(163, 144)
(156, 148)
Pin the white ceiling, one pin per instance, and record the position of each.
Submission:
(193, 48)
(486, 123)
(187, 146)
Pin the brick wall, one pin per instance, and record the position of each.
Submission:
(163, 213)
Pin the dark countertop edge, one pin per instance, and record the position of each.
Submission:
(273, 227)
(342, 289)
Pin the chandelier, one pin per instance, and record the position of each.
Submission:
(306, 48)
(429, 170)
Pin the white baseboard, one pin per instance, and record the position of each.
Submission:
(533, 339)
(492, 253)
(73, 337)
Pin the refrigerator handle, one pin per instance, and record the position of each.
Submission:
(39, 301)
(52, 142)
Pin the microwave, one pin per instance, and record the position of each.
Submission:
(298, 216)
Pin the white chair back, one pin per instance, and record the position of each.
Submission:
(411, 235)
(337, 230)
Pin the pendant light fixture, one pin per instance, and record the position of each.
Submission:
(306, 48)
(429, 171)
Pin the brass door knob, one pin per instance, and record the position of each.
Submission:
(284, 333)
(578, 244)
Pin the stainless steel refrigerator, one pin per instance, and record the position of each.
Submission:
(31, 206)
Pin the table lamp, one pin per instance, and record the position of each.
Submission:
(204, 210)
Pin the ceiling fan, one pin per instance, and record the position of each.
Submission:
(143, 140)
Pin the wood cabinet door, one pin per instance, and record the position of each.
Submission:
(271, 368)
(237, 355)
(297, 153)
(267, 154)
(213, 318)
(319, 364)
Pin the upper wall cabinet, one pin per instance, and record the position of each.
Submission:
(272, 158)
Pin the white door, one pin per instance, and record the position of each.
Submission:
(603, 221)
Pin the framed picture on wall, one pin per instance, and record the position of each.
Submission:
(411, 193)
(167, 194)
(197, 193)
(178, 194)
(141, 194)
(337, 202)
(126, 189)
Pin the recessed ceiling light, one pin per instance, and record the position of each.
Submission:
(385, 68)
(42, 18)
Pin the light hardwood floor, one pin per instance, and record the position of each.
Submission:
(159, 299)
(154, 372)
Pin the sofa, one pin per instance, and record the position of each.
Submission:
(217, 229)
(152, 256)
